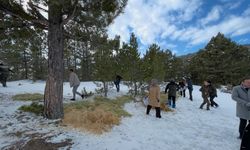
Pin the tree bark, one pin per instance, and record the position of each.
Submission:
(53, 102)
(25, 64)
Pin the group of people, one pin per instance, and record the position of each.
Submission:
(173, 87)
(240, 93)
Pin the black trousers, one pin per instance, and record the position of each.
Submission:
(242, 126)
(117, 85)
(245, 143)
(190, 94)
(157, 109)
(173, 100)
(183, 93)
(213, 102)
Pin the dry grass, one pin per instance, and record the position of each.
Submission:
(96, 117)
(28, 97)
(163, 101)
(97, 121)
(165, 107)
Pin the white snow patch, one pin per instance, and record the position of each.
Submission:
(187, 128)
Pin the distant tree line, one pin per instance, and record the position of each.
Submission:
(95, 56)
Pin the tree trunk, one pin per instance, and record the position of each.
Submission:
(105, 86)
(25, 64)
(136, 89)
(53, 102)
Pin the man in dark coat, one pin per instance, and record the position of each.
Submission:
(212, 94)
(171, 89)
(241, 94)
(4, 74)
(117, 82)
(190, 88)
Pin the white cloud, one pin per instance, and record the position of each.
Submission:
(244, 40)
(247, 12)
(170, 21)
(234, 4)
(233, 26)
(213, 15)
(149, 19)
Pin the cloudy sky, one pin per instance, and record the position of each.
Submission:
(183, 26)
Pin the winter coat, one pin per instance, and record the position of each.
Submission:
(73, 80)
(204, 91)
(189, 84)
(212, 91)
(118, 79)
(182, 85)
(171, 88)
(154, 96)
(242, 97)
(4, 72)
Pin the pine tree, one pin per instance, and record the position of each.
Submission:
(130, 64)
(61, 16)
(154, 64)
(104, 63)
(222, 61)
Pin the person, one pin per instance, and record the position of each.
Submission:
(212, 94)
(4, 74)
(205, 94)
(154, 98)
(241, 94)
(182, 87)
(171, 89)
(245, 144)
(190, 88)
(117, 81)
(74, 82)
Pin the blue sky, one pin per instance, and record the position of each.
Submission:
(183, 26)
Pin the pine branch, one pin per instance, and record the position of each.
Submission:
(71, 14)
(16, 11)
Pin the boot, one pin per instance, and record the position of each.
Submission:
(148, 109)
(173, 106)
(158, 112)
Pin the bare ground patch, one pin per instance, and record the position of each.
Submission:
(38, 142)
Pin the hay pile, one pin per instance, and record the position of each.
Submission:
(96, 117)
(96, 121)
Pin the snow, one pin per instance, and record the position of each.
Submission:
(187, 128)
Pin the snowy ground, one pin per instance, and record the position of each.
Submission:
(187, 128)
